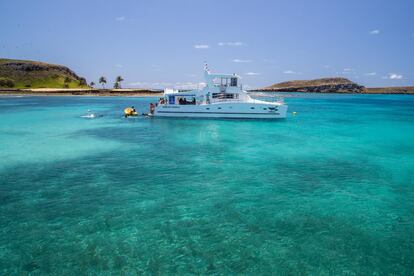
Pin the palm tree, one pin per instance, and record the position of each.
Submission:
(102, 80)
(117, 85)
(92, 84)
(118, 80)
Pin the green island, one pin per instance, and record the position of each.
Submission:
(40, 78)
(33, 74)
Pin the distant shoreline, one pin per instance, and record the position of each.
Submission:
(83, 92)
(159, 93)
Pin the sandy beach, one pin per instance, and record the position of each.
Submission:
(83, 92)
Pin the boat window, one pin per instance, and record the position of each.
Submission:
(233, 82)
(252, 107)
(171, 100)
(186, 100)
(219, 108)
(265, 108)
(223, 96)
(217, 81)
(224, 81)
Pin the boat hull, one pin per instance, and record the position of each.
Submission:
(224, 110)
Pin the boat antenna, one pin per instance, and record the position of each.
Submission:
(206, 67)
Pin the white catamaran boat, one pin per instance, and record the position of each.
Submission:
(222, 97)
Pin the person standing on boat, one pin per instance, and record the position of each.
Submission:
(208, 98)
(152, 108)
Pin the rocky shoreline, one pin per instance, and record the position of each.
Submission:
(406, 90)
(342, 88)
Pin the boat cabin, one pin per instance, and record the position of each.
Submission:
(218, 88)
(222, 80)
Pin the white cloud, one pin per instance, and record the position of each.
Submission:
(371, 74)
(350, 71)
(252, 74)
(236, 44)
(120, 18)
(289, 72)
(136, 84)
(375, 32)
(150, 84)
(201, 46)
(241, 60)
(394, 76)
(160, 85)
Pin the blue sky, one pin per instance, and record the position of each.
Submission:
(164, 43)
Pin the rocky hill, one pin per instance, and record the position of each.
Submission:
(34, 74)
(325, 85)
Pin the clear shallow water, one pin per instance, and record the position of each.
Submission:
(329, 191)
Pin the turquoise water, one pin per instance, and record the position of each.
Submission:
(328, 191)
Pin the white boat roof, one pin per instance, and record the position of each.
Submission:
(224, 75)
(209, 78)
(178, 92)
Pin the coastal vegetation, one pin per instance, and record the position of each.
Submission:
(6, 82)
(117, 84)
(102, 81)
(34, 74)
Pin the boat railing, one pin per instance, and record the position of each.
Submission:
(217, 100)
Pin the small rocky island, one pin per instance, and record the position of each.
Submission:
(332, 85)
(324, 85)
